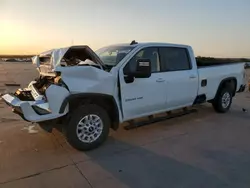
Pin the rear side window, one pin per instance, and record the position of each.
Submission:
(174, 59)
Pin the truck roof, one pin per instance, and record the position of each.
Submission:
(144, 44)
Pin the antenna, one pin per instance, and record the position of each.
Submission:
(133, 42)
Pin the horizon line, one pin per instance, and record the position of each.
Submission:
(198, 56)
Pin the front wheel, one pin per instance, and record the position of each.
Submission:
(223, 101)
(88, 127)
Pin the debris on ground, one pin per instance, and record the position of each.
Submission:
(12, 84)
(30, 129)
(8, 119)
(244, 110)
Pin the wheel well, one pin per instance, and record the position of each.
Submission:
(107, 102)
(229, 82)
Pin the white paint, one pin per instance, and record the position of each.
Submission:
(161, 92)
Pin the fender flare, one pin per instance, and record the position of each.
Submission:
(224, 81)
(85, 95)
(115, 117)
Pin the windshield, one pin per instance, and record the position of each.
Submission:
(112, 55)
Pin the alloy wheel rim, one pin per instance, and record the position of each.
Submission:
(226, 100)
(89, 128)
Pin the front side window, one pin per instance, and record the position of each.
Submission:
(174, 59)
(112, 55)
(146, 53)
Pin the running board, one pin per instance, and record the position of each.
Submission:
(152, 120)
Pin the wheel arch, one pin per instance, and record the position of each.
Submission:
(224, 82)
(106, 101)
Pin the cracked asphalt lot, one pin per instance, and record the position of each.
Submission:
(202, 149)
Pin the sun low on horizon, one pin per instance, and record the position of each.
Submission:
(12, 37)
(19, 38)
(212, 28)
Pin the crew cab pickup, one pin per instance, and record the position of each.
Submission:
(90, 92)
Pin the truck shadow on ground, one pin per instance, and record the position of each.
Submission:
(234, 166)
(139, 167)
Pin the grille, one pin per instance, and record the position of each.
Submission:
(34, 92)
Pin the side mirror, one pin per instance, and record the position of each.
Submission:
(143, 68)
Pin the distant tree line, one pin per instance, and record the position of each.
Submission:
(221, 60)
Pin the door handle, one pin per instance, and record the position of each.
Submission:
(192, 76)
(160, 80)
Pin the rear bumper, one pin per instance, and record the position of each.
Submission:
(242, 89)
(38, 111)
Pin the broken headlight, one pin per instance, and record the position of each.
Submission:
(58, 81)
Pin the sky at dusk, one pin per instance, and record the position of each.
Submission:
(219, 28)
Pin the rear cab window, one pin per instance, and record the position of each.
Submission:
(174, 59)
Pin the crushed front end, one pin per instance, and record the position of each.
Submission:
(40, 101)
(43, 98)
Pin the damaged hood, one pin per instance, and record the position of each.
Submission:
(47, 62)
(55, 56)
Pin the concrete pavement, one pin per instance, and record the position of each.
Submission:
(203, 149)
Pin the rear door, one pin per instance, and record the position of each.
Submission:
(181, 78)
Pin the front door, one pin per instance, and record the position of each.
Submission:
(143, 96)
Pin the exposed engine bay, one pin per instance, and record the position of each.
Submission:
(42, 83)
(37, 88)
(24, 95)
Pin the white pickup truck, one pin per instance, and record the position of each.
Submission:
(90, 92)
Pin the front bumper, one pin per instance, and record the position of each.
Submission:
(14, 103)
(26, 109)
(38, 110)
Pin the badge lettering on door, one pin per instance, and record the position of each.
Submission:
(144, 64)
(133, 99)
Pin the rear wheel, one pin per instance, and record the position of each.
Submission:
(223, 101)
(88, 127)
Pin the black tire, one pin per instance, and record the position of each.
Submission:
(77, 115)
(218, 101)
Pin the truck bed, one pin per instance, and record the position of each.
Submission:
(207, 63)
(215, 73)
